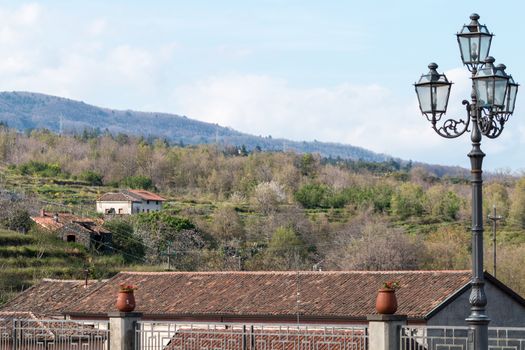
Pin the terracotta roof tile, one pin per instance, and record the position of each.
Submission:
(80, 223)
(309, 338)
(117, 197)
(49, 297)
(321, 294)
(47, 223)
(145, 195)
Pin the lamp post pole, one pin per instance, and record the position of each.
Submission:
(492, 103)
(477, 320)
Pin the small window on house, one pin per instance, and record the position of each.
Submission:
(157, 202)
(148, 210)
(70, 238)
(120, 210)
(147, 202)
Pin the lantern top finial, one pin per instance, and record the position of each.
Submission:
(490, 60)
(474, 17)
(432, 66)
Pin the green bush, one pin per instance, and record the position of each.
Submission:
(312, 195)
(94, 179)
(408, 201)
(18, 220)
(34, 167)
(125, 241)
(137, 182)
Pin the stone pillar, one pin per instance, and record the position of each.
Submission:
(384, 330)
(122, 330)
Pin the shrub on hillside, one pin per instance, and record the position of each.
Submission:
(14, 216)
(92, 177)
(125, 241)
(312, 195)
(34, 167)
(138, 182)
(408, 201)
(18, 220)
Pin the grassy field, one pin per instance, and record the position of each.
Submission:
(27, 258)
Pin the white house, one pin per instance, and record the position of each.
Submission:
(129, 202)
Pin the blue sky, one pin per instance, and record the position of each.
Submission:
(338, 71)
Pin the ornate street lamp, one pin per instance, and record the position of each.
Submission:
(474, 43)
(492, 102)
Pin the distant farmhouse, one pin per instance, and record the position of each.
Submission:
(129, 202)
(74, 228)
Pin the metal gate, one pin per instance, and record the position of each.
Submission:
(457, 338)
(22, 334)
(197, 336)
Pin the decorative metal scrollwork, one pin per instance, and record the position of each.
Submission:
(452, 128)
(491, 124)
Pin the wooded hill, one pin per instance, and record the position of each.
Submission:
(229, 208)
(27, 111)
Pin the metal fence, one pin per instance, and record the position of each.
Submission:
(457, 338)
(22, 334)
(196, 336)
(501, 338)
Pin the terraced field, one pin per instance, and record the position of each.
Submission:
(27, 258)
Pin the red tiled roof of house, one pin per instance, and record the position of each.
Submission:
(117, 197)
(49, 222)
(310, 338)
(321, 294)
(49, 297)
(9, 316)
(146, 195)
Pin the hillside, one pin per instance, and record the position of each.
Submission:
(26, 258)
(230, 210)
(26, 110)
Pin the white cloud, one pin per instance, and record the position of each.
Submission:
(97, 27)
(83, 67)
(369, 116)
(27, 14)
(88, 67)
(16, 25)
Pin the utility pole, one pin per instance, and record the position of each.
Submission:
(241, 267)
(297, 296)
(169, 257)
(494, 218)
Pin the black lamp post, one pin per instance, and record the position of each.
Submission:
(492, 102)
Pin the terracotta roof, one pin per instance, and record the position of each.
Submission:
(7, 317)
(49, 222)
(130, 195)
(309, 338)
(145, 195)
(49, 297)
(321, 294)
(117, 197)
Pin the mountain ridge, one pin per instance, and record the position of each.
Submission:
(29, 110)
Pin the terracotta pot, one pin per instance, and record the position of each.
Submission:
(125, 301)
(386, 302)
